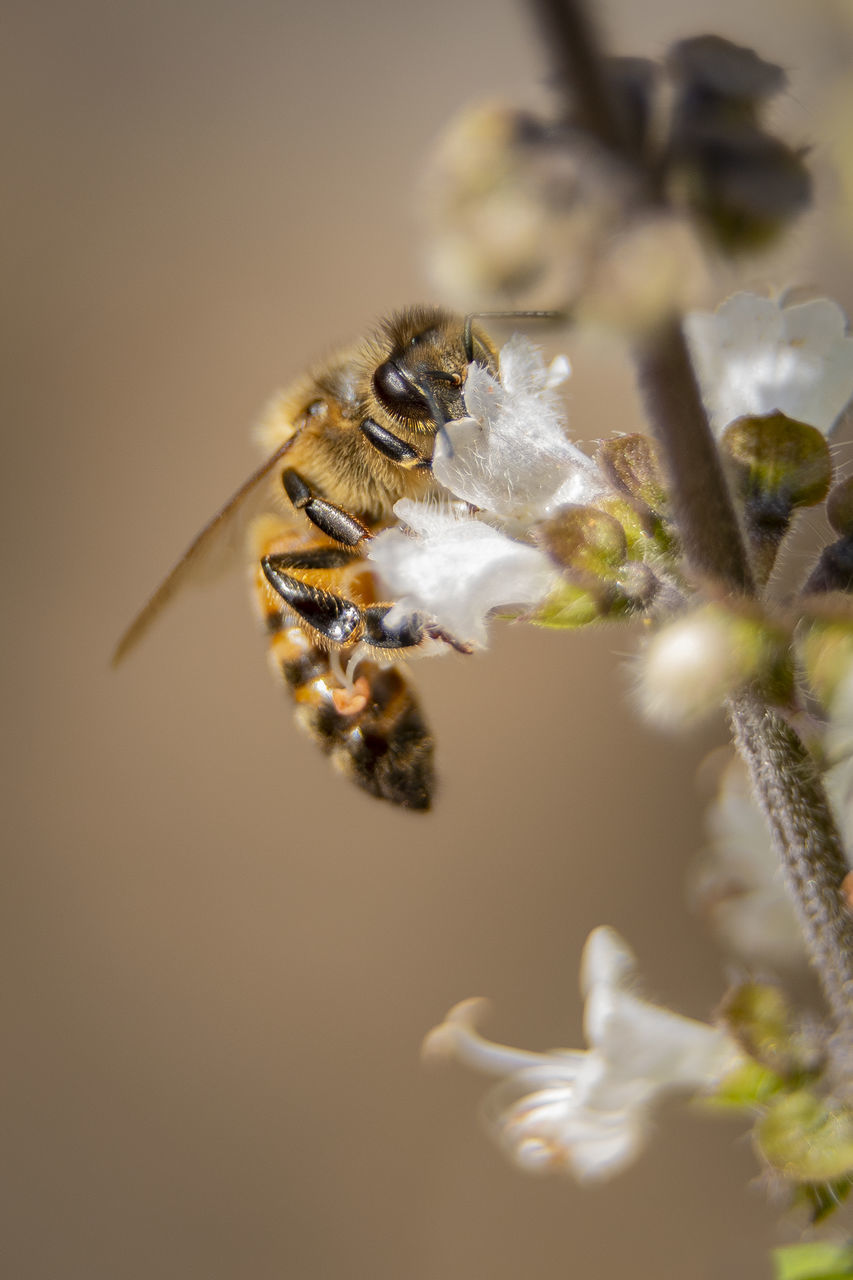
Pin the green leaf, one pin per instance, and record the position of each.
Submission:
(818, 1260)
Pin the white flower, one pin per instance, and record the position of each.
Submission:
(511, 460)
(739, 884)
(588, 1112)
(512, 457)
(456, 569)
(756, 356)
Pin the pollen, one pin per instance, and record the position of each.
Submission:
(349, 702)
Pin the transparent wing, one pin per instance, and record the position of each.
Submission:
(211, 551)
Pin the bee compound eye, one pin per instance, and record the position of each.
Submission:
(396, 391)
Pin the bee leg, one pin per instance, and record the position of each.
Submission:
(335, 523)
(392, 447)
(376, 735)
(332, 618)
(411, 632)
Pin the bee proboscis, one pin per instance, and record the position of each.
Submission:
(344, 443)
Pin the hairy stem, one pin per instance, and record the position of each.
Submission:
(703, 508)
(789, 789)
(784, 777)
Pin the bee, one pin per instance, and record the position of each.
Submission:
(343, 444)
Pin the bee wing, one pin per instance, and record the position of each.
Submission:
(210, 551)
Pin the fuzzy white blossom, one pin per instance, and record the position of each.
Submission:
(456, 569)
(511, 457)
(739, 884)
(512, 461)
(755, 356)
(587, 1112)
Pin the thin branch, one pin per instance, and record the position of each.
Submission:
(794, 801)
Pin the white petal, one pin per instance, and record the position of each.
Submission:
(739, 882)
(512, 455)
(756, 356)
(644, 1045)
(607, 960)
(551, 1128)
(458, 1037)
(456, 569)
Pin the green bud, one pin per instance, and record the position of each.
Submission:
(826, 651)
(631, 463)
(571, 605)
(746, 1088)
(695, 662)
(585, 540)
(779, 464)
(805, 1138)
(634, 525)
(758, 1017)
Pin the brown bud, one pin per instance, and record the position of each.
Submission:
(632, 464)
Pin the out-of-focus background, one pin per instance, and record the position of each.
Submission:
(217, 959)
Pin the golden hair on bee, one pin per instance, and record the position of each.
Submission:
(345, 442)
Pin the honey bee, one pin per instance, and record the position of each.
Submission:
(344, 443)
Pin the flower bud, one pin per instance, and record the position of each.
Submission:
(826, 648)
(740, 181)
(692, 665)
(834, 569)
(712, 68)
(758, 1017)
(571, 605)
(778, 465)
(839, 507)
(586, 540)
(805, 1138)
(632, 464)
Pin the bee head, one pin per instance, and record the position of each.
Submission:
(420, 381)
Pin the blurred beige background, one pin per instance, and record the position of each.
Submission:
(217, 960)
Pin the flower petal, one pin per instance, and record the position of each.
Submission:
(456, 569)
(754, 356)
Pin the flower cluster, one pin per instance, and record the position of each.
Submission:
(510, 460)
(532, 525)
(528, 210)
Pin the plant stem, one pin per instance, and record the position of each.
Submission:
(702, 505)
(784, 776)
(788, 787)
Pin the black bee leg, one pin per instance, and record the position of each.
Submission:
(392, 447)
(335, 620)
(335, 523)
(408, 634)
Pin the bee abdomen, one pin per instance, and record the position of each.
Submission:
(374, 733)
